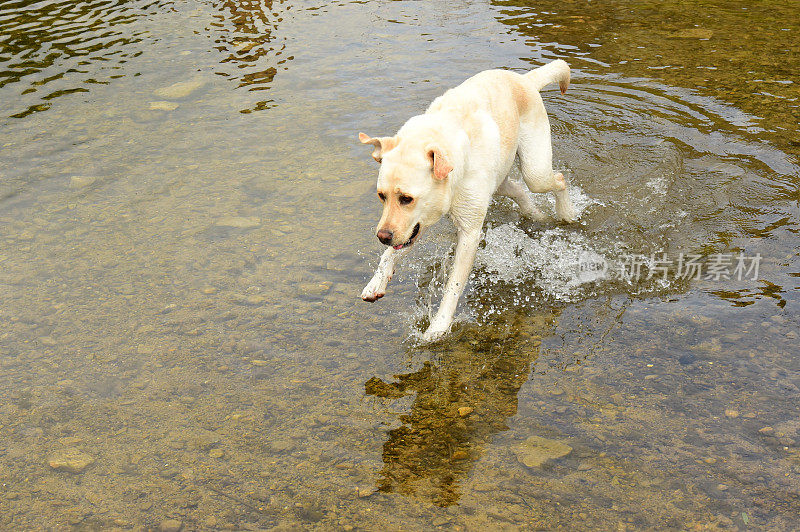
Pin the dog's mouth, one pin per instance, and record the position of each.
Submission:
(410, 240)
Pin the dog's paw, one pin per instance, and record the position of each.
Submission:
(533, 213)
(371, 294)
(431, 336)
(436, 331)
(567, 216)
(566, 213)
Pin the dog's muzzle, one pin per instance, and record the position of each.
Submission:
(410, 240)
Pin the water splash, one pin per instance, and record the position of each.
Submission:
(550, 260)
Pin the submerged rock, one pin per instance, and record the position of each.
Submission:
(365, 490)
(536, 450)
(180, 89)
(460, 455)
(255, 299)
(170, 525)
(692, 33)
(313, 289)
(239, 222)
(71, 460)
(81, 181)
(163, 106)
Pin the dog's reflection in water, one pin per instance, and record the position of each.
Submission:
(462, 399)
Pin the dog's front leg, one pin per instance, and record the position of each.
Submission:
(468, 241)
(376, 288)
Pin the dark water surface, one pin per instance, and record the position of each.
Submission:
(186, 222)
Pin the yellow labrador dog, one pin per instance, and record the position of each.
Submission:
(453, 158)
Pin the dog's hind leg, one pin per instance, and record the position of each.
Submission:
(536, 163)
(512, 189)
(376, 288)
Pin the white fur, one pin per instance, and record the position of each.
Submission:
(453, 158)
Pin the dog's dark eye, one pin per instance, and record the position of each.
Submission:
(382, 196)
(405, 200)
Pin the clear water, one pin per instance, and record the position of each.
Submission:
(186, 222)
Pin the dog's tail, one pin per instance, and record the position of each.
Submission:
(557, 70)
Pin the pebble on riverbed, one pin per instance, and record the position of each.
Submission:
(163, 106)
(170, 525)
(71, 460)
(536, 450)
(692, 33)
(180, 89)
(460, 455)
(365, 490)
(313, 289)
(81, 181)
(255, 300)
(239, 222)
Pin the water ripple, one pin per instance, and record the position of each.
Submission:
(244, 32)
(50, 47)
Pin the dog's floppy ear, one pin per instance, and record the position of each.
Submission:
(382, 144)
(441, 165)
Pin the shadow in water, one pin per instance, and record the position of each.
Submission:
(463, 397)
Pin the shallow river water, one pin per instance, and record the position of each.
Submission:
(187, 220)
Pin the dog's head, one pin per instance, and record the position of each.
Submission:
(412, 185)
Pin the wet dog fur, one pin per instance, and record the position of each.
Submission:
(453, 158)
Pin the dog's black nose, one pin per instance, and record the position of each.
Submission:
(385, 236)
